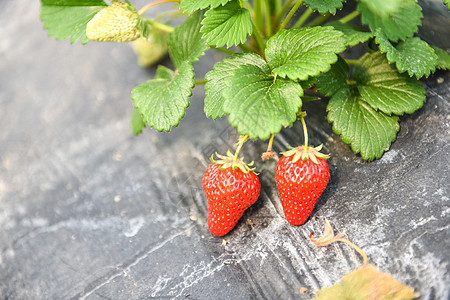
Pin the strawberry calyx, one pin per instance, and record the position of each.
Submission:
(305, 153)
(230, 160)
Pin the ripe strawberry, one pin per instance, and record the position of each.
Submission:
(301, 176)
(230, 187)
(115, 23)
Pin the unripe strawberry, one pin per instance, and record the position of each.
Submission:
(230, 188)
(150, 51)
(302, 176)
(115, 23)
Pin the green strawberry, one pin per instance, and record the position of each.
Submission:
(115, 23)
(302, 175)
(230, 187)
(150, 51)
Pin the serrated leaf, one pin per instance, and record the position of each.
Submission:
(137, 122)
(367, 283)
(185, 42)
(68, 19)
(230, 24)
(308, 83)
(443, 58)
(162, 100)
(304, 52)
(216, 83)
(398, 19)
(191, 5)
(258, 104)
(333, 80)
(413, 55)
(380, 85)
(353, 35)
(369, 132)
(324, 6)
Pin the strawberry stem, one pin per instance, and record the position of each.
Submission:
(242, 140)
(349, 17)
(161, 26)
(200, 81)
(303, 18)
(305, 133)
(269, 154)
(142, 10)
(269, 147)
(290, 14)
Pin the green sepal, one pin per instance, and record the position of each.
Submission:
(227, 161)
(305, 153)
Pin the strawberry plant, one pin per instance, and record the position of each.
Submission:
(280, 54)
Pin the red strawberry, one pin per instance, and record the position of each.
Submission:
(230, 188)
(301, 175)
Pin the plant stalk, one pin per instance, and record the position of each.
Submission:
(143, 9)
(283, 10)
(351, 61)
(349, 17)
(305, 131)
(268, 18)
(319, 20)
(278, 6)
(242, 140)
(303, 18)
(200, 81)
(269, 147)
(224, 50)
(290, 14)
(258, 15)
(246, 48)
(161, 26)
(258, 38)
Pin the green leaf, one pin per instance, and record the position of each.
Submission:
(369, 132)
(398, 19)
(68, 19)
(447, 2)
(137, 122)
(362, 114)
(353, 35)
(217, 83)
(383, 88)
(230, 24)
(413, 55)
(443, 58)
(259, 104)
(333, 80)
(304, 52)
(162, 100)
(185, 43)
(191, 5)
(309, 83)
(324, 6)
